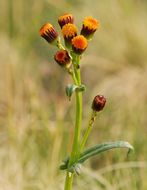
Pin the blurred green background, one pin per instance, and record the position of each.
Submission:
(36, 118)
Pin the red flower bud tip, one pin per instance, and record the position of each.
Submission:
(79, 44)
(98, 103)
(48, 32)
(65, 19)
(62, 58)
(90, 25)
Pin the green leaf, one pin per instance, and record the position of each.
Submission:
(72, 88)
(102, 148)
(95, 150)
(64, 165)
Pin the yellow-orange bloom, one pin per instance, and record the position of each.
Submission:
(79, 44)
(69, 31)
(48, 32)
(90, 25)
(62, 58)
(65, 19)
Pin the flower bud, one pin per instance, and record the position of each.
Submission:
(69, 31)
(90, 25)
(98, 103)
(65, 19)
(48, 32)
(62, 58)
(79, 44)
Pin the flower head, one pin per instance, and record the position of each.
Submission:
(98, 103)
(90, 25)
(48, 32)
(62, 58)
(65, 19)
(79, 44)
(69, 31)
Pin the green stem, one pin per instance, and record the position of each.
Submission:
(68, 181)
(86, 135)
(88, 130)
(76, 141)
(72, 73)
(59, 44)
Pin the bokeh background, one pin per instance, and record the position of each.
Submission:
(36, 118)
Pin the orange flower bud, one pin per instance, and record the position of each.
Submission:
(98, 103)
(65, 19)
(69, 31)
(79, 44)
(90, 25)
(62, 58)
(48, 32)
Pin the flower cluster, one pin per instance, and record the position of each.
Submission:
(74, 43)
(68, 57)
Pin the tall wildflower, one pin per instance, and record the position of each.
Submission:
(68, 57)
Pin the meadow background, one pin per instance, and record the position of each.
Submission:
(36, 118)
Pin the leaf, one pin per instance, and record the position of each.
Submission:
(70, 88)
(64, 165)
(95, 150)
(102, 148)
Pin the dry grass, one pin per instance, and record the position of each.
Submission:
(36, 120)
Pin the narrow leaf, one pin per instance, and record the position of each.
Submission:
(102, 148)
(95, 150)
